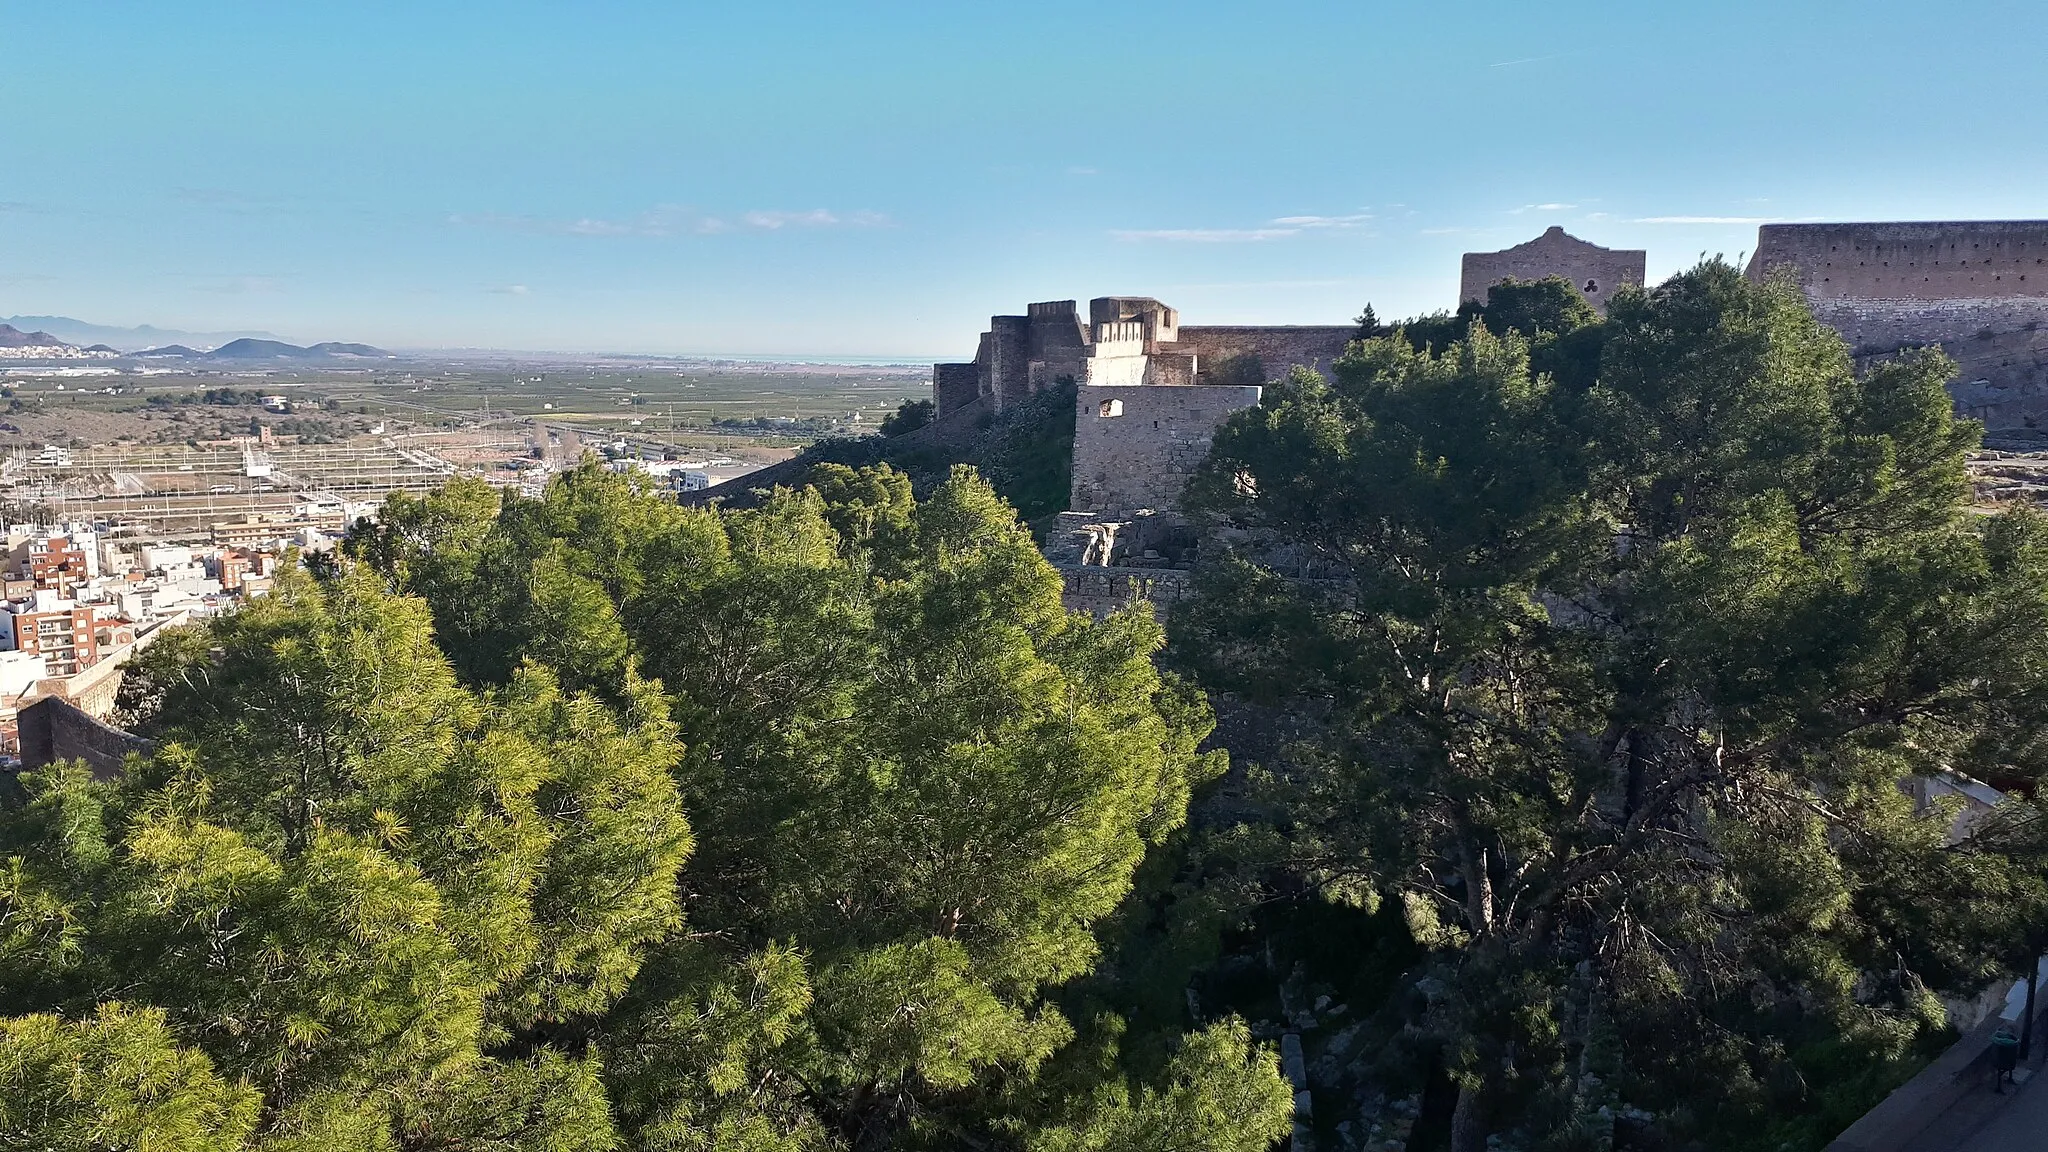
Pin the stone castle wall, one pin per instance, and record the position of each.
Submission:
(1979, 289)
(1963, 261)
(1595, 271)
(954, 386)
(53, 728)
(2000, 348)
(1134, 448)
(1101, 591)
(1278, 348)
(1006, 360)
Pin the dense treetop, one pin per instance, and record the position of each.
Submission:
(1587, 657)
(593, 821)
(1616, 639)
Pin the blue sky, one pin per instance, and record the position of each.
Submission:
(878, 178)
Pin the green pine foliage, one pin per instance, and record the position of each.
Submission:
(1026, 451)
(592, 821)
(1611, 643)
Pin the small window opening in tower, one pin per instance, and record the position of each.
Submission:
(1110, 408)
(1592, 286)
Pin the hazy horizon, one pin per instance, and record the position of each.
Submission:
(812, 181)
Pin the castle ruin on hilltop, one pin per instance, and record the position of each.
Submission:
(1151, 392)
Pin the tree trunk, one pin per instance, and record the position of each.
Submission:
(1468, 1122)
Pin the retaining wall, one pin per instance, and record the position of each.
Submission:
(54, 729)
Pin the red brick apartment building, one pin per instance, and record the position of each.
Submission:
(62, 635)
(54, 562)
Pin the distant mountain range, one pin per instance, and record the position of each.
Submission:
(70, 331)
(12, 337)
(251, 349)
(243, 349)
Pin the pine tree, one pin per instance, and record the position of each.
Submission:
(1612, 671)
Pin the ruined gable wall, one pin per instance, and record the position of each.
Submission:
(1142, 455)
(1595, 271)
(1278, 348)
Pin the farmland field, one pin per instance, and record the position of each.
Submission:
(693, 404)
(190, 450)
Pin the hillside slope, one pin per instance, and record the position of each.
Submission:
(1025, 451)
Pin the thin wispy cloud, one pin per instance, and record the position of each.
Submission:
(1262, 284)
(1204, 235)
(232, 202)
(1275, 229)
(1354, 220)
(1079, 170)
(1719, 219)
(1529, 60)
(813, 218)
(673, 220)
(1541, 208)
(225, 197)
(509, 290)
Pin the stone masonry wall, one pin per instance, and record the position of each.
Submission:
(1978, 288)
(54, 729)
(1962, 261)
(2000, 348)
(1595, 271)
(1278, 348)
(954, 386)
(1134, 448)
(1101, 591)
(1006, 363)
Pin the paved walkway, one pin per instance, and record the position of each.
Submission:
(1950, 1106)
(2021, 1126)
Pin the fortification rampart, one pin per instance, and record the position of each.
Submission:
(1960, 261)
(1127, 341)
(954, 386)
(1101, 591)
(53, 728)
(1161, 323)
(1277, 348)
(1979, 289)
(1007, 360)
(1875, 327)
